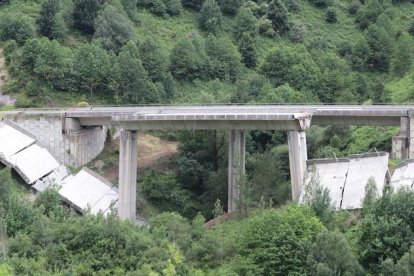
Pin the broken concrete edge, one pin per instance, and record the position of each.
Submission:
(403, 163)
(101, 178)
(348, 158)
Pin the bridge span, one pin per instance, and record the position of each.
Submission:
(294, 119)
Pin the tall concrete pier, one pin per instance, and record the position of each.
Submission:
(237, 160)
(127, 174)
(297, 161)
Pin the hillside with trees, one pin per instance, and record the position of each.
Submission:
(136, 52)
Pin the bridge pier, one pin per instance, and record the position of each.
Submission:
(297, 161)
(127, 174)
(237, 160)
(401, 142)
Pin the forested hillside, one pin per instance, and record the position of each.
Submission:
(130, 52)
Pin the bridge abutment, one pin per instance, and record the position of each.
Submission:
(297, 161)
(237, 157)
(127, 175)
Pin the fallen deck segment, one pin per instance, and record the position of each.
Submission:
(88, 191)
(345, 178)
(12, 141)
(403, 175)
(33, 163)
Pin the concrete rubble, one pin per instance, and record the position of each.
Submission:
(86, 191)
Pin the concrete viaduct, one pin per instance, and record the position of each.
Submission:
(294, 119)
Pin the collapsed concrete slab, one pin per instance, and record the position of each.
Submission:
(12, 140)
(88, 191)
(345, 178)
(403, 175)
(33, 163)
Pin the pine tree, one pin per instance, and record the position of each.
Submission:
(331, 16)
(248, 50)
(84, 14)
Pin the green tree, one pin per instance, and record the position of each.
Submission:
(245, 23)
(248, 50)
(224, 59)
(113, 28)
(405, 265)
(94, 69)
(292, 65)
(16, 27)
(371, 194)
(402, 58)
(331, 254)
(188, 59)
(50, 21)
(84, 14)
(279, 15)
(5, 187)
(277, 242)
(380, 45)
(210, 17)
(368, 14)
(154, 59)
(134, 83)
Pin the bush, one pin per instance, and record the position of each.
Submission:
(266, 27)
(16, 27)
(277, 242)
(368, 14)
(320, 3)
(354, 7)
(411, 29)
(50, 21)
(279, 16)
(192, 4)
(84, 14)
(297, 33)
(331, 16)
(230, 6)
(331, 254)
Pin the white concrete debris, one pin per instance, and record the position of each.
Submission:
(403, 175)
(86, 191)
(346, 177)
(12, 141)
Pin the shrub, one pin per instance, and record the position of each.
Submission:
(84, 14)
(50, 20)
(210, 18)
(354, 7)
(331, 16)
(297, 33)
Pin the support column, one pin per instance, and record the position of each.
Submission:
(297, 161)
(127, 175)
(237, 157)
(400, 143)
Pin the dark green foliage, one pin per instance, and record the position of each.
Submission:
(331, 15)
(51, 22)
(297, 33)
(291, 65)
(164, 7)
(224, 59)
(405, 265)
(5, 188)
(4, 2)
(113, 29)
(331, 254)
(130, 7)
(320, 3)
(84, 14)
(16, 27)
(165, 191)
(269, 176)
(188, 59)
(368, 14)
(230, 6)
(279, 16)
(411, 28)
(277, 242)
(50, 201)
(192, 4)
(248, 50)
(210, 17)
